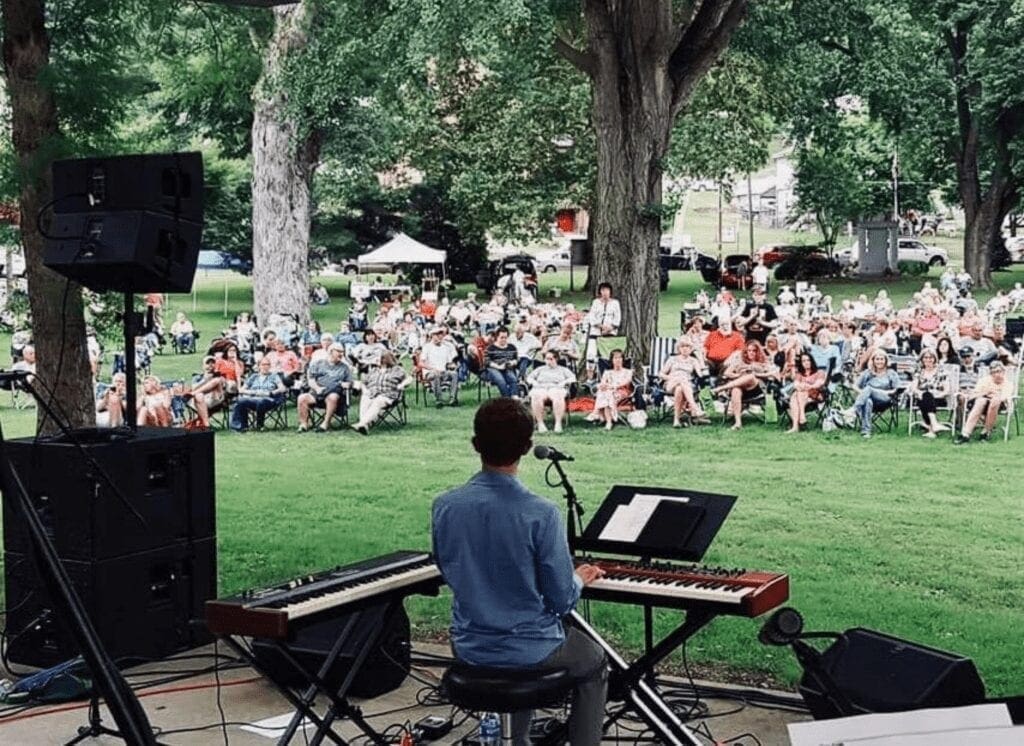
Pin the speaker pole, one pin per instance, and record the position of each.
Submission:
(130, 328)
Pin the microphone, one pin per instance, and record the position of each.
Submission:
(552, 454)
(14, 376)
(782, 627)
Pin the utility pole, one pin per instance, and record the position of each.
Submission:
(750, 211)
(896, 186)
(719, 222)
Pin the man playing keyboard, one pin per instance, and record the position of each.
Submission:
(503, 551)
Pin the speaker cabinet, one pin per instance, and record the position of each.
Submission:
(142, 605)
(164, 475)
(137, 251)
(384, 670)
(170, 183)
(130, 223)
(881, 673)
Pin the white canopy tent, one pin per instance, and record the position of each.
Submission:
(404, 250)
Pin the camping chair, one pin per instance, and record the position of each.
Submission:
(219, 413)
(187, 347)
(817, 408)
(627, 401)
(952, 372)
(1010, 407)
(652, 389)
(887, 414)
(395, 415)
(318, 411)
(752, 403)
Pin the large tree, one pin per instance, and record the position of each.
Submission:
(285, 155)
(57, 317)
(644, 59)
(945, 79)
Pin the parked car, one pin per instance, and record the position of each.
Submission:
(552, 261)
(214, 259)
(807, 265)
(488, 275)
(908, 250)
(775, 254)
(729, 274)
(681, 258)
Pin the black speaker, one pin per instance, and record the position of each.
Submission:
(165, 475)
(141, 605)
(135, 251)
(881, 673)
(169, 183)
(131, 223)
(384, 670)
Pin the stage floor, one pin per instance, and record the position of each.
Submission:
(247, 699)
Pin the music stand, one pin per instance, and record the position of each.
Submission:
(653, 523)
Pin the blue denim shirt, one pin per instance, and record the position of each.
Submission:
(504, 553)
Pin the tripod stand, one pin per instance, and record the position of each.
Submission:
(95, 728)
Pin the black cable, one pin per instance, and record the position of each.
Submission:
(47, 206)
(741, 736)
(220, 707)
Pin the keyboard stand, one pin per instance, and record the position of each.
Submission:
(634, 682)
(373, 620)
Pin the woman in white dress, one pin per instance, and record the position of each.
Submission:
(613, 387)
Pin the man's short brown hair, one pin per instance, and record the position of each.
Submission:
(502, 431)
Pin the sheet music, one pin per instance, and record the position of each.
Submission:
(626, 524)
(628, 521)
(650, 502)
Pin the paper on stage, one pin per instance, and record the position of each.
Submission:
(628, 521)
(274, 727)
(625, 524)
(946, 726)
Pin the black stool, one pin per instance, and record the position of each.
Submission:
(505, 690)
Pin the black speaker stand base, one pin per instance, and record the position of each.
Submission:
(95, 728)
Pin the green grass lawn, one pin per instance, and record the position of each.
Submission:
(901, 534)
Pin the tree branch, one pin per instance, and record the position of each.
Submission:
(702, 44)
(582, 61)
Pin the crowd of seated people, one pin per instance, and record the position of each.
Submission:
(734, 355)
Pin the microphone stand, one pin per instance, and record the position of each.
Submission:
(574, 510)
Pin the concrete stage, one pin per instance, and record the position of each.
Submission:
(246, 698)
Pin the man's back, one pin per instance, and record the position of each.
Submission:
(503, 551)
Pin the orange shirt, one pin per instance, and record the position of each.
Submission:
(717, 347)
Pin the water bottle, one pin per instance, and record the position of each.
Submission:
(490, 730)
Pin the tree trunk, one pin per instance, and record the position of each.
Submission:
(58, 325)
(632, 114)
(644, 59)
(282, 175)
